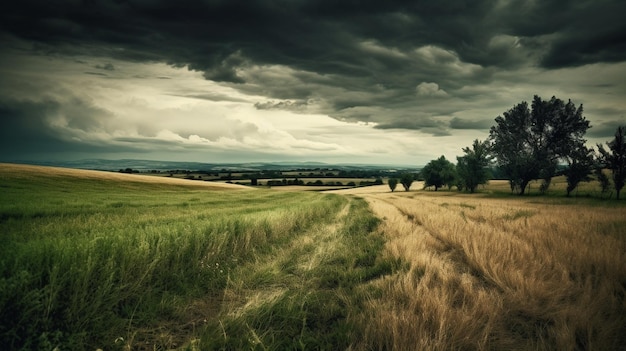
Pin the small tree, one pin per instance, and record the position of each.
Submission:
(406, 180)
(615, 160)
(438, 173)
(393, 182)
(581, 165)
(605, 183)
(472, 169)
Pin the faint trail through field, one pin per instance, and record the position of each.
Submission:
(398, 211)
(303, 254)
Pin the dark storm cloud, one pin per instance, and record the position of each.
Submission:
(425, 124)
(25, 129)
(344, 55)
(605, 130)
(41, 128)
(320, 35)
(459, 123)
(97, 74)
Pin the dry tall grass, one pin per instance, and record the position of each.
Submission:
(498, 274)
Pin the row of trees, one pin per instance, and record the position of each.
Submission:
(532, 143)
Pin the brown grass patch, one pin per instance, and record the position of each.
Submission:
(497, 274)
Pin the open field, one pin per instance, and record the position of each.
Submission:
(30, 173)
(91, 260)
(515, 273)
(105, 260)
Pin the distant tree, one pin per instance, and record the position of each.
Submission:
(528, 144)
(473, 168)
(438, 173)
(254, 181)
(615, 160)
(580, 166)
(605, 183)
(406, 180)
(393, 182)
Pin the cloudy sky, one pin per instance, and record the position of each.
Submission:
(384, 82)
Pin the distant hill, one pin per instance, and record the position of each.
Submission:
(10, 170)
(146, 165)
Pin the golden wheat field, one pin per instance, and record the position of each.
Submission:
(12, 170)
(497, 273)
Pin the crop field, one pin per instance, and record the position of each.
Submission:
(493, 273)
(95, 260)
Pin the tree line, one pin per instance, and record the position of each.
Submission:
(528, 143)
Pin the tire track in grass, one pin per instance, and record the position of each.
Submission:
(428, 305)
(258, 281)
(300, 294)
(271, 275)
(447, 249)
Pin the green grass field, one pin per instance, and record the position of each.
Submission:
(90, 263)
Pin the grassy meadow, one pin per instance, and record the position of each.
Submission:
(92, 260)
(96, 261)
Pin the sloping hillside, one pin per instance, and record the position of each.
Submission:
(14, 170)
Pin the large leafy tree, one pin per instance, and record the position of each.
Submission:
(473, 168)
(528, 143)
(438, 173)
(615, 160)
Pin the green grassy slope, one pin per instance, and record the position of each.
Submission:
(89, 262)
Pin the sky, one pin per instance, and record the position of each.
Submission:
(377, 82)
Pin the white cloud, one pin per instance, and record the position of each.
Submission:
(430, 90)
